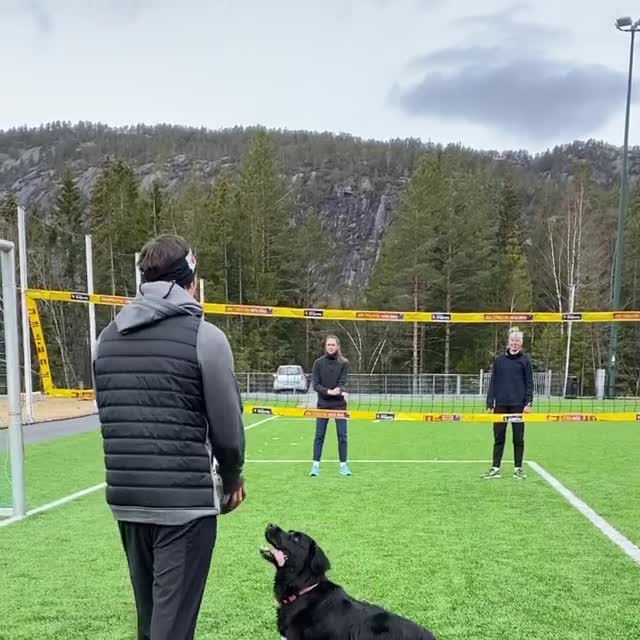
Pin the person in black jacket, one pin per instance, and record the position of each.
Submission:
(329, 379)
(510, 391)
(173, 438)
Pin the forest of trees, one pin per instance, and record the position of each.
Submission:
(467, 234)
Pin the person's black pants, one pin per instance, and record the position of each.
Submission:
(169, 566)
(500, 434)
(321, 432)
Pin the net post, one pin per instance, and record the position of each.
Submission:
(92, 307)
(136, 259)
(16, 445)
(26, 332)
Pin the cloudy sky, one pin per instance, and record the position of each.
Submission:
(511, 74)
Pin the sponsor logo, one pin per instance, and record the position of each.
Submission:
(441, 317)
(262, 411)
(313, 313)
(626, 315)
(325, 413)
(572, 316)
(442, 417)
(114, 299)
(82, 395)
(385, 416)
(572, 417)
(638, 417)
(379, 315)
(80, 296)
(513, 417)
(247, 309)
(509, 317)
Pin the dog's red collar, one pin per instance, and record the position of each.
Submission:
(295, 596)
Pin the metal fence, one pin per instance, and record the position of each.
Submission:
(546, 384)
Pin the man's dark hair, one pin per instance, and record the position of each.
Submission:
(164, 258)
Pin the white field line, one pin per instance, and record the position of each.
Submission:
(596, 520)
(84, 492)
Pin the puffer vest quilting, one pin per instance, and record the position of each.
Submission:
(154, 427)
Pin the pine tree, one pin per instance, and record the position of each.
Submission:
(217, 250)
(9, 218)
(68, 216)
(265, 214)
(404, 272)
(262, 229)
(119, 228)
(436, 252)
(310, 266)
(513, 284)
(153, 203)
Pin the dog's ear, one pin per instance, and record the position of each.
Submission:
(318, 562)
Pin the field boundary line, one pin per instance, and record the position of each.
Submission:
(368, 461)
(595, 519)
(85, 492)
(53, 505)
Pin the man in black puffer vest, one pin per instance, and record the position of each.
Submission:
(170, 409)
(510, 391)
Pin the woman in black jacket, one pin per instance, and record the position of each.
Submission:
(510, 391)
(329, 381)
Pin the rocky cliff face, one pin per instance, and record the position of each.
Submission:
(354, 185)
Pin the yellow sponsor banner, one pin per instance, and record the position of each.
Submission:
(79, 394)
(76, 296)
(402, 416)
(40, 346)
(42, 356)
(485, 317)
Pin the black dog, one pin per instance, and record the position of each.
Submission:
(314, 608)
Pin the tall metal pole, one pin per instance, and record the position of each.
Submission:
(16, 445)
(26, 333)
(92, 307)
(618, 275)
(136, 259)
(567, 361)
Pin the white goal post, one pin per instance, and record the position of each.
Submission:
(15, 444)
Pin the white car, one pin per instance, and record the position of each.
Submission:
(290, 377)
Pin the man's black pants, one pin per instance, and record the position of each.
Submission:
(169, 566)
(500, 434)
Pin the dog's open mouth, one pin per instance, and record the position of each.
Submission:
(276, 556)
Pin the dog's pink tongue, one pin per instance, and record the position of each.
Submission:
(279, 557)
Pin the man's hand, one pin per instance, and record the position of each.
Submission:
(233, 500)
(334, 392)
(527, 408)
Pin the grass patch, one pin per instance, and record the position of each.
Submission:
(467, 558)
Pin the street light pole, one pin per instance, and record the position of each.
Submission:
(626, 25)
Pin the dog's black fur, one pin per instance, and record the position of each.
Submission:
(324, 611)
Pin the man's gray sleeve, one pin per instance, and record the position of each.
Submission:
(222, 402)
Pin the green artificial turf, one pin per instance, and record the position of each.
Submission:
(468, 558)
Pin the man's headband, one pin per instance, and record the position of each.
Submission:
(181, 271)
